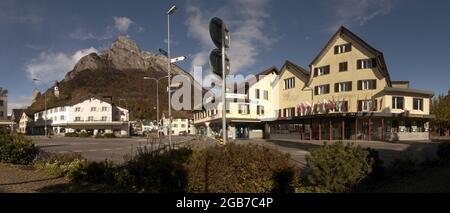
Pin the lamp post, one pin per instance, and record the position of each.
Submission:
(45, 105)
(169, 12)
(157, 96)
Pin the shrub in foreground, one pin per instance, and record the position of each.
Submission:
(240, 168)
(156, 171)
(59, 164)
(17, 149)
(71, 134)
(338, 167)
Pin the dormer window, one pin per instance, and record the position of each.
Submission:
(322, 71)
(343, 48)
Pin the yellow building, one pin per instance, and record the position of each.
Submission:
(346, 94)
(349, 95)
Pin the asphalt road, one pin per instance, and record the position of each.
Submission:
(99, 149)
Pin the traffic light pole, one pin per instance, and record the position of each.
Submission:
(224, 91)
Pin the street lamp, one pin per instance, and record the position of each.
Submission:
(169, 12)
(157, 96)
(45, 105)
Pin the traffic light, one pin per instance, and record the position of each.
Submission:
(221, 38)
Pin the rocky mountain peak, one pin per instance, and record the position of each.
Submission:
(126, 43)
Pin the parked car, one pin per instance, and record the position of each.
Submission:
(183, 133)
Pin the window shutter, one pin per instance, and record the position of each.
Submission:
(375, 105)
(374, 62)
(315, 72)
(349, 47)
(374, 84)
(336, 87)
(327, 88)
(316, 89)
(359, 105)
(359, 85)
(327, 69)
(350, 85)
(336, 50)
(358, 64)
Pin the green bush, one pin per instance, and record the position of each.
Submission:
(443, 151)
(241, 168)
(84, 135)
(148, 171)
(97, 172)
(71, 134)
(59, 164)
(338, 167)
(17, 149)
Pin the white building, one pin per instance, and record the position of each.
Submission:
(91, 114)
(250, 103)
(181, 123)
(26, 123)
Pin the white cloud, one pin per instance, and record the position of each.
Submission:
(122, 23)
(359, 12)
(19, 103)
(49, 67)
(246, 21)
(81, 34)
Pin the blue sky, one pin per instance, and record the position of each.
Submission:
(44, 38)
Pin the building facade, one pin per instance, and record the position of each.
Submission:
(346, 94)
(3, 104)
(26, 123)
(91, 114)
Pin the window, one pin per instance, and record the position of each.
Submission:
(183, 125)
(289, 112)
(367, 84)
(104, 109)
(91, 118)
(1, 103)
(322, 89)
(175, 125)
(77, 109)
(343, 86)
(366, 63)
(289, 83)
(55, 110)
(77, 119)
(343, 67)
(62, 118)
(257, 93)
(93, 109)
(341, 106)
(338, 49)
(322, 71)
(62, 109)
(418, 104)
(266, 95)
(260, 110)
(244, 109)
(104, 118)
(367, 105)
(397, 102)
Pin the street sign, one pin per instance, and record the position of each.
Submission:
(215, 61)
(236, 95)
(163, 52)
(177, 59)
(218, 30)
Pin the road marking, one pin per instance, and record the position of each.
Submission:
(92, 150)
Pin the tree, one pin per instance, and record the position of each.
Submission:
(440, 108)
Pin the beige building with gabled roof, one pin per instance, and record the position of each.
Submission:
(347, 94)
